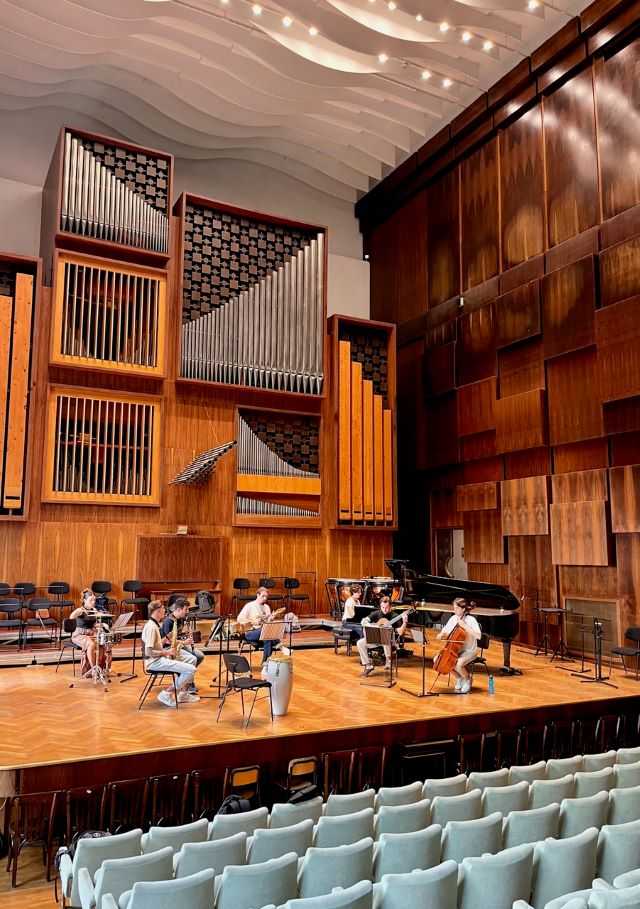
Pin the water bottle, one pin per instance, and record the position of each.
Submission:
(492, 685)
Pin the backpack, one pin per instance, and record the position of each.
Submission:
(234, 804)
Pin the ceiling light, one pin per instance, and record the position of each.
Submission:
(419, 17)
(257, 9)
(487, 46)
(444, 26)
(382, 58)
(533, 4)
(425, 74)
(466, 37)
(287, 21)
(447, 83)
(392, 5)
(224, 2)
(313, 31)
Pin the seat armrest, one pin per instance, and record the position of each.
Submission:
(86, 889)
(108, 901)
(145, 841)
(66, 873)
(600, 884)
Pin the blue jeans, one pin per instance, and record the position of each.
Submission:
(186, 670)
(356, 630)
(254, 635)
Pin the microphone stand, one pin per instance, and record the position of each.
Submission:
(598, 678)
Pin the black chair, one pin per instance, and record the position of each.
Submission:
(168, 796)
(60, 590)
(68, 626)
(102, 589)
(270, 585)
(243, 782)
(632, 652)
(125, 806)
(239, 598)
(40, 620)
(24, 590)
(11, 608)
(153, 677)
(137, 604)
(294, 599)
(31, 820)
(83, 810)
(480, 661)
(205, 794)
(241, 680)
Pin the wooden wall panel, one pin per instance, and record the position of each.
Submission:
(443, 239)
(439, 368)
(620, 272)
(488, 470)
(580, 486)
(483, 540)
(628, 580)
(518, 314)
(531, 573)
(520, 421)
(568, 307)
(625, 449)
(621, 416)
(489, 573)
(581, 456)
(476, 407)
(522, 189)
(579, 533)
(479, 446)
(625, 498)
(531, 463)
(521, 368)
(444, 512)
(476, 346)
(477, 497)
(587, 582)
(618, 337)
(571, 166)
(441, 430)
(479, 215)
(575, 412)
(525, 507)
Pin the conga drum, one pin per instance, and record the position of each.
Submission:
(278, 670)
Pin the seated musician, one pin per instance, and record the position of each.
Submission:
(158, 657)
(86, 616)
(349, 613)
(461, 616)
(189, 653)
(255, 614)
(380, 616)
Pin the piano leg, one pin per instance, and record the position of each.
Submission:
(508, 669)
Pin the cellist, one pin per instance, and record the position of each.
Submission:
(461, 616)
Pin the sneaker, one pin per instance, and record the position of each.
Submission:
(185, 697)
(167, 699)
(368, 669)
(285, 650)
(192, 689)
(458, 685)
(466, 687)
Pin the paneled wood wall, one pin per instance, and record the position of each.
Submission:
(511, 263)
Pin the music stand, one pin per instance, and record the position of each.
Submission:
(133, 674)
(419, 636)
(598, 677)
(380, 636)
(273, 631)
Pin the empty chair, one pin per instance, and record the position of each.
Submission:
(251, 886)
(399, 853)
(116, 876)
(548, 792)
(323, 869)
(560, 767)
(530, 826)
(628, 755)
(618, 850)
(595, 781)
(505, 798)
(467, 807)
(277, 841)
(528, 772)
(591, 762)
(624, 805)
(90, 854)
(495, 881)
(398, 795)
(437, 887)
(194, 892)
(359, 896)
(494, 778)
(570, 901)
(626, 775)
(246, 822)
(450, 785)
(628, 879)
(343, 829)
(158, 837)
(402, 818)
(349, 803)
(577, 815)
(284, 815)
(629, 898)
(216, 854)
(467, 838)
(563, 866)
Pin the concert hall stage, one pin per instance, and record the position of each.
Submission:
(57, 736)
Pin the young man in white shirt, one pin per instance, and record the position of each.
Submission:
(469, 624)
(158, 657)
(256, 613)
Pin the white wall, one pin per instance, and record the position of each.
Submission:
(20, 205)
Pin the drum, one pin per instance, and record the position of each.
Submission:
(279, 671)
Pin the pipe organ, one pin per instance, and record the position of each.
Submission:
(108, 315)
(253, 296)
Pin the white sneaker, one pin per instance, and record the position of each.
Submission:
(167, 699)
(285, 650)
(466, 687)
(185, 697)
(458, 685)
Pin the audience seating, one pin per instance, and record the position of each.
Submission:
(216, 854)
(577, 815)
(402, 818)
(521, 827)
(344, 829)
(248, 822)
(284, 815)
(176, 837)
(116, 876)
(349, 803)
(470, 838)
(595, 781)
(548, 792)
(454, 785)
(399, 853)
(195, 892)
(504, 799)
(250, 886)
(562, 866)
(495, 881)
(89, 855)
(398, 795)
(323, 869)
(434, 887)
(359, 896)
(268, 843)
(618, 849)
(466, 807)
(624, 805)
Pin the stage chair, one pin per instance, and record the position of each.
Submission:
(467, 807)
(629, 651)
(618, 850)
(400, 853)
(270, 584)
(596, 781)
(563, 866)
(402, 818)
(168, 799)
(495, 881)
(536, 743)
(337, 767)
(243, 782)
(41, 620)
(559, 767)
(153, 677)
(452, 785)
(505, 798)
(90, 854)
(11, 609)
(435, 887)
(398, 795)
(83, 810)
(531, 826)
(176, 837)
(302, 772)
(125, 806)
(193, 892)
(462, 839)
(323, 869)
(528, 772)
(549, 792)
(238, 598)
(252, 886)
(348, 803)
(294, 599)
(628, 755)
(624, 805)
(601, 761)
(102, 589)
(241, 680)
(137, 605)
(565, 738)
(224, 825)
(577, 815)
(216, 854)
(478, 751)
(359, 896)
(285, 815)
(68, 627)
(273, 842)
(494, 778)
(30, 821)
(343, 829)
(116, 876)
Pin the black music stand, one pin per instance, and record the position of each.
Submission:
(381, 636)
(560, 652)
(598, 677)
(419, 635)
(583, 630)
(224, 636)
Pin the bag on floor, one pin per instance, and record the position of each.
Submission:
(233, 804)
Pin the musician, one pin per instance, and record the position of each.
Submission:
(461, 616)
(158, 657)
(349, 613)
(189, 653)
(86, 616)
(256, 613)
(380, 616)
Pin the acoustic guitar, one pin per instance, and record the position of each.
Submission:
(243, 627)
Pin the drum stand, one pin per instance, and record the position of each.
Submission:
(97, 674)
(423, 693)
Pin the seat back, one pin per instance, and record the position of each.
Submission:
(599, 761)
(132, 586)
(577, 815)
(629, 898)
(548, 792)
(451, 785)
(399, 853)
(241, 583)
(272, 843)
(323, 869)
(467, 807)
(626, 775)
(252, 886)
(116, 876)
(521, 827)
(494, 778)
(344, 829)
(595, 781)
(101, 587)
(402, 818)
(496, 881)
(216, 854)
(291, 583)
(349, 803)
(624, 805)
(91, 853)
(628, 755)
(618, 850)
(284, 815)
(359, 896)
(398, 795)
(434, 887)
(194, 892)
(505, 798)
(224, 825)
(528, 772)
(562, 866)
(560, 767)
(461, 839)
(158, 837)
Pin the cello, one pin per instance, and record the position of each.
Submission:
(445, 660)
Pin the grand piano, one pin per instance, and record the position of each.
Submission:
(431, 598)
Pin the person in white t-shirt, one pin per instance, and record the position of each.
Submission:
(349, 613)
(255, 614)
(461, 616)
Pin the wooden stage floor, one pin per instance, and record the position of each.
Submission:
(43, 721)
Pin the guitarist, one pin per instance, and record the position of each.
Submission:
(379, 616)
(253, 615)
